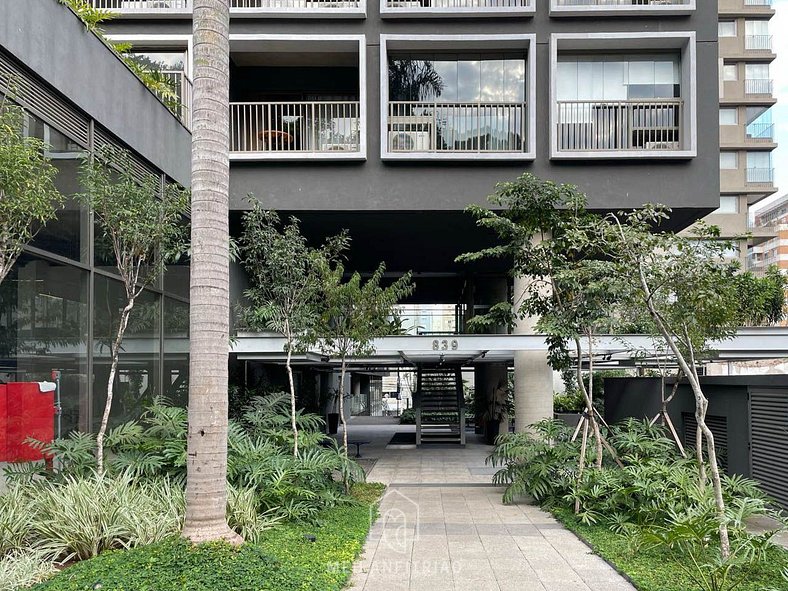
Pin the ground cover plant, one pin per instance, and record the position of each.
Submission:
(53, 517)
(651, 508)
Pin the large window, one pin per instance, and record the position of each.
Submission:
(614, 77)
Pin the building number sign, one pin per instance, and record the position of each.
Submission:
(445, 344)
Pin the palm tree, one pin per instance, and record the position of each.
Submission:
(206, 476)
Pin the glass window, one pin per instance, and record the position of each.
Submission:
(172, 61)
(759, 27)
(176, 351)
(728, 204)
(727, 29)
(43, 329)
(730, 72)
(759, 160)
(67, 234)
(137, 379)
(729, 116)
(729, 160)
(756, 71)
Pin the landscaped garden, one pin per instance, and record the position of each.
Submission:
(304, 518)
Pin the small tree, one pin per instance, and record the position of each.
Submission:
(142, 222)
(286, 283)
(352, 314)
(28, 197)
(690, 293)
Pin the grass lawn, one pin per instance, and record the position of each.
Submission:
(292, 557)
(656, 570)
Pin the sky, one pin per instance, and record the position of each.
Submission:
(779, 73)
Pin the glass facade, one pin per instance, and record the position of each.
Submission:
(59, 310)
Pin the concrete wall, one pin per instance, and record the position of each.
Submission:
(51, 41)
(691, 185)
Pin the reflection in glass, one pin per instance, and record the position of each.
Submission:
(43, 329)
(136, 382)
(176, 351)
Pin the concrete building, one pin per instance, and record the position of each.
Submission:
(746, 128)
(389, 118)
(775, 250)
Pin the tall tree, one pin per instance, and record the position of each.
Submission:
(209, 289)
(285, 284)
(352, 314)
(28, 196)
(143, 226)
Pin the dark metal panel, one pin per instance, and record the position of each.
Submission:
(769, 420)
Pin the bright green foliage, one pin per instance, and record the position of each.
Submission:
(28, 197)
(282, 559)
(762, 299)
(660, 569)
(570, 401)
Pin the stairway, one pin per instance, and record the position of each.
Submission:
(440, 411)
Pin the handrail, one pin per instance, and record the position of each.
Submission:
(758, 42)
(758, 86)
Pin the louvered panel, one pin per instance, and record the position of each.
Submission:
(104, 140)
(719, 428)
(769, 425)
(34, 96)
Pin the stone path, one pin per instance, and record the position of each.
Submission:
(443, 527)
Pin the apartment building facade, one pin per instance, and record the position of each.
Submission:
(746, 128)
(774, 251)
(388, 118)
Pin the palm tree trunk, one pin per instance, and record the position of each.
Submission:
(209, 314)
(113, 369)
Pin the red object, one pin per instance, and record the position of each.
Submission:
(3, 423)
(30, 413)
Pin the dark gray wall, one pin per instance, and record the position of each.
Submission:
(688, 185)
(50, 40)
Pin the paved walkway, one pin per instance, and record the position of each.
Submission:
(443, 527)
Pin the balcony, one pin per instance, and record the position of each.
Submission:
(238, 8)
(760, 176)
(183, 88)
(760, 43)
(758, 86)
(640, 126)
(760, 132)
(757, 2)
(620, 7)
(274, 130)
(455, 8)
(456, 128)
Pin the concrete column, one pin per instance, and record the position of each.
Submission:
(533, 376)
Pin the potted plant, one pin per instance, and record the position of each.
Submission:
(568, 406)
(332, 416)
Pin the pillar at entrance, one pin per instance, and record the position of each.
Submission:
(533, 376)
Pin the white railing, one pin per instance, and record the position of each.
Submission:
(763, 132)
(183, 88)
(622, 2)
(132, 5)
(758, 42)
(760, 176)
(654, 124)
(268, 4)
(295, 127)
(757, 2)
(482, 4)
(758, 86)
(415, 126)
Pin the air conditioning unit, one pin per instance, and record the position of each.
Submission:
(409, 141)
(662, 145)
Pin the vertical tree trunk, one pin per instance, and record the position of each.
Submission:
(582, 463)
(209, 315)
(342, 404)
(113, 369)
(293, 424)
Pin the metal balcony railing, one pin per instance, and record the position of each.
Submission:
(124, 6)
(445, 127)
(643, 125)
(623, 2)
(132, 5)
(760, 176)
(757, 2)
(449, 4)
(183, 87)
(758, 42)
(275, 4)
(758, 86)
(306, 127)
(761, 132)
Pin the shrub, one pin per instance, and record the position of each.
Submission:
(569, 401)
(20, 569)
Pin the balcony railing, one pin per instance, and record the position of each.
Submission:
(760, 176)
(144, 5)
(758, 86)
(294, 4)
(125, 6)
(477, 4)
(623, 2)
(295, 127)
(183, 87)
(647, 125)
(760, 132)
(758, 42)
(444, 127)
(757, 2)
